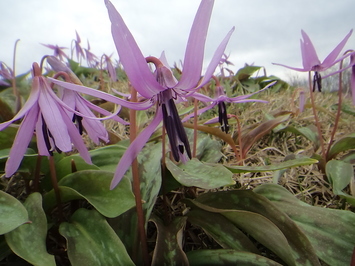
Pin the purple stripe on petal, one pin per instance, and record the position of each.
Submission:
(134, 149)
(131, 57)
(193, 60)
(22, 139)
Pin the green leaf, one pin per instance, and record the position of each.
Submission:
(309, 132)
(208, 257)
(222, 230)
(64, 166)
(107, 158)
(94, 186)
(331, 232)
(13, 213)
(272, 167)
(199, 174)
(246, 72)
(343, 144)
(340, 174)
(28, 241)
(91, 241)
(258, 226)
(168, 247)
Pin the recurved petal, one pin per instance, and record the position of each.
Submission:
(216, 59)
(22, 139)
(102, 95)
(134, 149)
(309, 54)
(31, 101)
(131, 57)
(193, 60)
(330, 59)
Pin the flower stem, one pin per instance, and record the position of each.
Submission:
(337, 117)
(56, 187)
(37, 174)
(316, 116)
(14, 88)
(136, 184)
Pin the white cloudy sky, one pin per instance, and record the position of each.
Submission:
(266, 31)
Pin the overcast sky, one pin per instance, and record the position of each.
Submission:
(266, 31)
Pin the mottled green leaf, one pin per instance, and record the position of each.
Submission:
(272, 167)
(247, 200)
(94, 186)
(12, 213)
(91, 241)
(331, 232)
(168, 247)
(28, 241)
(343, 144)
(339, 174)
(208, 257)
(222, 230)
(258, 226)
(199, 174)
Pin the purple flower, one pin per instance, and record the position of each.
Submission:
(44, 114)
(84, 117)
(58, 51)
(162, 87)
(220, 100)
(110, 68)
(77, 46)
(91, 59)
(311, 61)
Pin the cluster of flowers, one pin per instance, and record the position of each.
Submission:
(58, 119)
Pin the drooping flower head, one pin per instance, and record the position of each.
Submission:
(43, 114)
(311, 61)
(162, 87)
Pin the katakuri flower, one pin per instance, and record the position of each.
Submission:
(162, 88)
(43, 114)
(311, 61)
(220, 100)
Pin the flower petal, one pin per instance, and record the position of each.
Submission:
(31, 101)
(216, 59)
(193, 60)
(102, 95)
(54, 119)
(131, 57)
(309, 54)
(330, 59)
(134, 149)
(41, 144)
(76, 138)
(22, 139)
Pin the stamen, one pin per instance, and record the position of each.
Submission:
(222, 117)
(317, 80)
(46, 137)
(78, 121)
